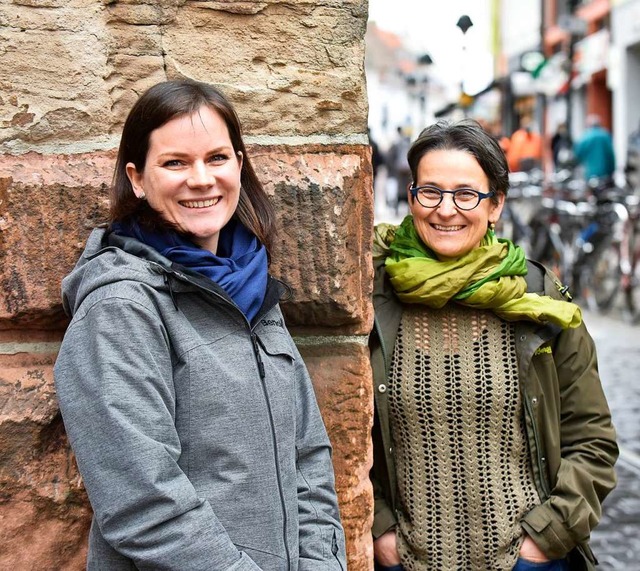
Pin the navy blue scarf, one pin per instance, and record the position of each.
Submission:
(239, 267)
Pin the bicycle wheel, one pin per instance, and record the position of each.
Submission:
(601, 283)
(546, 248)
(632, 287)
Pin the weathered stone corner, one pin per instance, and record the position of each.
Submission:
(342, 379)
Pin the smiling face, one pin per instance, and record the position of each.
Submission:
(192, 175)
(445, 229)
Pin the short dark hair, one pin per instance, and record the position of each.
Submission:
(159, 105)
(468, 136)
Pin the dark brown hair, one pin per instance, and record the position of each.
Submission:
(468, 136)
(159, 105)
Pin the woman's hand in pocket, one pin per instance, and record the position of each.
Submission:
(530, 551)
(385, 549)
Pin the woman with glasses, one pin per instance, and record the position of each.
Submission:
(189, 409)
(493, 442)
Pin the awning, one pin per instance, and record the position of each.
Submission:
(466, 99)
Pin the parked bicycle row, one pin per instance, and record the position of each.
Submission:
(588, 233)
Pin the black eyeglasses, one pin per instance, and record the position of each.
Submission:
(464, 198)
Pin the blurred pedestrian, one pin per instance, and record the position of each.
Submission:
(399, 168)
(561, 147)
(594, 150)
(377, 158)
(498, 133)
(525, 147)
(493, 442)
(495, 130)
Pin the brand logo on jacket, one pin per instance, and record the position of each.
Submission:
(541, 350)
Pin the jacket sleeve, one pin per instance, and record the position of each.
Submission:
(588, 451)
(114, 383)
(383, 517)
(321, 537)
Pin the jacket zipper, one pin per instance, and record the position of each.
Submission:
(382, 346)
(262, 373)
(536, 438)
(276, 457)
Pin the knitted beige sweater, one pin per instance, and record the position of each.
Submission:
(463, 469)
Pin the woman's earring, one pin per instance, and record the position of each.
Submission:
(142, 196)
(492, 226)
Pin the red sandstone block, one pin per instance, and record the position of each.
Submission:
(47, 206)
(342, 379)
(45, 510)
(38, 468)
(323, 199)
(37, 535)
(325, 209)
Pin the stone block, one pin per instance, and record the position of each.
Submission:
(324, 202)
(341, 377)
(45, 511)
(48, 204)
(316, 71)
(88, 61)
(58, 92)
(322, 194)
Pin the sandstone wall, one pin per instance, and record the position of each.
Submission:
(69, 72)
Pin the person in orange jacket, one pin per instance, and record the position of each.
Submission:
(525, 148)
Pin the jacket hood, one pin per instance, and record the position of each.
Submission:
(109, 258)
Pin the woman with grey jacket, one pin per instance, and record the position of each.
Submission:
(189, 409)
(493, 442)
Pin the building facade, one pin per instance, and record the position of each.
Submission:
(624, 71)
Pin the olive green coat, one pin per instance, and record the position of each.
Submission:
(568, 424)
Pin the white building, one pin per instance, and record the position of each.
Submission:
(624, 72)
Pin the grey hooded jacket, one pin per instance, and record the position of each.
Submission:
(197, 434)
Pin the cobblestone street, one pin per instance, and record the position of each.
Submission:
(616, 542)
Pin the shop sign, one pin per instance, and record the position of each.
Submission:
(531, 61)
(553, 75)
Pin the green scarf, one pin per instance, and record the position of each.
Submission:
(488, 277)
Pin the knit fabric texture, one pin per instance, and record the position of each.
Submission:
(462, 459)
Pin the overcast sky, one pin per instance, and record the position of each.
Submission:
(430, 26)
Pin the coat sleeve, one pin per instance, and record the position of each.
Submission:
(384, 518)
(321, 537)
(588, 451)
(114, 383)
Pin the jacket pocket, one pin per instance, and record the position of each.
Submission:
(335, 549)
(276, 343)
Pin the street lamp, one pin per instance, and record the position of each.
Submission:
(464, 23)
